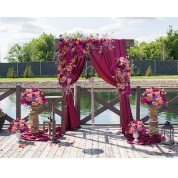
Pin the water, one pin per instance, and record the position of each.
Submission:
(107, 117)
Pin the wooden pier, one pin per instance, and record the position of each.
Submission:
(87, 142)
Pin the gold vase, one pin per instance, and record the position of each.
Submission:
(33, 121)
(153, 120)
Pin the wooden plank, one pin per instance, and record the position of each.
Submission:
(95, 144)
(82, 146)
(128, 148)
(88, 148)
(67, 150)
(40, 150)
(11, 150)
(45, 151)
(108, 147)
(4, 146)
(121, 146)
(53, 151)
(101, 134)
(31, 148)
(114, 143)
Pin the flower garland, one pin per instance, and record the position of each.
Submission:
(33, 96)
(154, 97)
(18, 125)
(121, 74)
(136, 127)
(72, 48)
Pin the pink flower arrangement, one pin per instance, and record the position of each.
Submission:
(72, 48)
(136, 127)
(154, 97)
(121, 74)
(33, 96)
(18, 125)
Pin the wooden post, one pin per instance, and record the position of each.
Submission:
(138, 103)
(18, 104)
(77, 99)
(63, 112)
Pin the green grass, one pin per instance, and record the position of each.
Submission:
(155, 77)
(96, 78)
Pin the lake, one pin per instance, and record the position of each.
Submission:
(108, 117)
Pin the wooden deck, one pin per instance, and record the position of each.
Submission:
(87, 142)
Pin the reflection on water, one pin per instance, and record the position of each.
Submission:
(107, 117)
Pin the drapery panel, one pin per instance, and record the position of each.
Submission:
(103, 62)
(72, 120)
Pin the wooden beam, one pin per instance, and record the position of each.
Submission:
(6, 94)
(99, 111)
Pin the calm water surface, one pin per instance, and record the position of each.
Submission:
(108, 117)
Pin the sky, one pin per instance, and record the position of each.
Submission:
(23, 29)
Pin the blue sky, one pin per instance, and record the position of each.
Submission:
(22, 29)
(21, 21)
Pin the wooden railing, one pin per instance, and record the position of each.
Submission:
(77, 93)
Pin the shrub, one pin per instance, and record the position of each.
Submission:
(11, 73)
(138, 72)
(28, 72)
(149, 71)
(92, 72)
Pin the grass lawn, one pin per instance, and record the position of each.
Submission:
(96, 78)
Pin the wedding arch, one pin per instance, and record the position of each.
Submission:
(109, 59)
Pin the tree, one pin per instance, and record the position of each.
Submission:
(38, 49)
(15, 54)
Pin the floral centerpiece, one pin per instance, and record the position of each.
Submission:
(33, 96)
(75, 47)
(136, 126)
(121, 74)
(153, 97)
(18, 126)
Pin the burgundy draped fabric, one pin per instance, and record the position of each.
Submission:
(144, 139)
(72, 120)
(102, 64)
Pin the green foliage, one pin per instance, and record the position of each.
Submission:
(92, 72)
(15, 54)
(164, 48)
(28, 72)
(138, 72)
(38, 49)
(11, 73)
(149, 71)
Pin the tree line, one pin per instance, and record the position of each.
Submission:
(43, 49)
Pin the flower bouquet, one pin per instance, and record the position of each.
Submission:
(153, 97)
(18, 125)
(2, 118)
(121, 74)
(33, 96)
(136, 127)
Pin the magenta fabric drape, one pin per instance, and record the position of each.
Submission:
(102, 64)
(72, 120)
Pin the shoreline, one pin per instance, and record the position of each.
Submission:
(162, 83)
